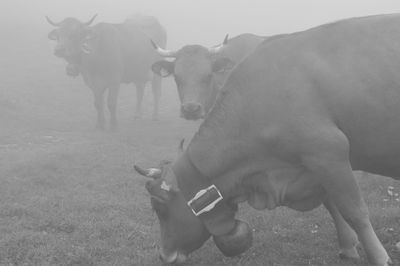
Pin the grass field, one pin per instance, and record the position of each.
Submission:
(69, 194)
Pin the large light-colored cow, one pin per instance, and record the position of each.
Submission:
(292, 122)
(107, 55)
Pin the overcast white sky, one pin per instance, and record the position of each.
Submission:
(202, 21)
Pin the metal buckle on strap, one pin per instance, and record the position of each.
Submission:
(205, 200)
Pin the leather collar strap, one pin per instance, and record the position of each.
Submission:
(220, 219)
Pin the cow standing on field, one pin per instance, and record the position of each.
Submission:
(199, 72)
(107, 55)
(292, 122)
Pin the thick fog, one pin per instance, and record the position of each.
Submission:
(69, 194)
(204, 22)
(27, 59)
(28, 65)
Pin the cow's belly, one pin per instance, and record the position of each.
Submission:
(293, 188)
(303, 193)
(304, 198)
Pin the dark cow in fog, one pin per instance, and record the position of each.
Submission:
(107, 55)
(199, 72)
(292, 122)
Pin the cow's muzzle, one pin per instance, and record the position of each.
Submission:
(192, 111)
(235, 242)
(72, 70)
(60, 51)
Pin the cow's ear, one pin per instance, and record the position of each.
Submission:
(53, 35)
(163, 68)
(223, 64)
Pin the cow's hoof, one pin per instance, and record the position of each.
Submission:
(389, 262)
(349, 254)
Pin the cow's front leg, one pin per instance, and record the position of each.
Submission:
(327, 157)
(347, 238)
(139, 99)
(99, 105)
(156, 87)
(112, 102)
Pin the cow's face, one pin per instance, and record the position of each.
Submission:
(70, 34)
(198, 73)
(181, 231)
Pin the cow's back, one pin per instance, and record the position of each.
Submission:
(124, 52)
(151, 27)
(136, 47)
(344, 73)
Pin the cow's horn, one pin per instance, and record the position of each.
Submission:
(56, 24)
(162, 52)
(218, 48)
(150, 172)
(90, 21)
(237, 241)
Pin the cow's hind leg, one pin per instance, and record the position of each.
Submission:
(347, 238)
(98, 95)
(156, 87)
(112, 102)
(139, 99)
(326, 155)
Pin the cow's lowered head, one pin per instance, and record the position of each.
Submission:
(71, 36)
(197, 71)
(182, 232)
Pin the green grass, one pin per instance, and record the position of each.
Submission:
(69, 194)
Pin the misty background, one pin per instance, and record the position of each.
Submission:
(69, 194)
(187, 22)
(32, 77)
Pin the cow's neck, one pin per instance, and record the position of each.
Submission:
(212, 98)
(220, 219)
(226, 140)
(213, 154)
